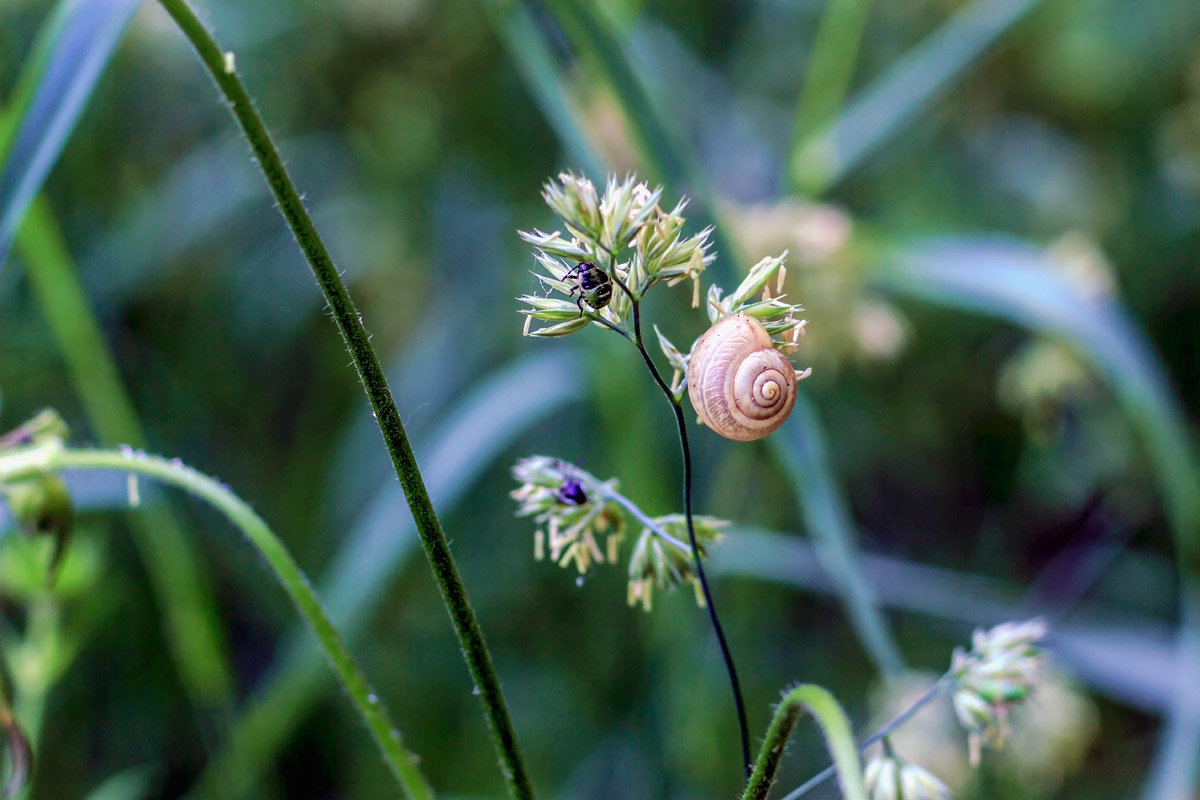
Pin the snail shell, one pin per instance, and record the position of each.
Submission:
(739, 384)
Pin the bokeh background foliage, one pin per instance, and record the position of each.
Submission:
(993, 209)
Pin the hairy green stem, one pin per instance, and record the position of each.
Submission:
(839, 738)
(895, 722)
(38, 460)
(350, 324)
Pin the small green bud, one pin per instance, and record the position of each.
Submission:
(42, 506)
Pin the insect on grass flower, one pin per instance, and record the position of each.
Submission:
(581, 523)
(617, 245)
(573, 517)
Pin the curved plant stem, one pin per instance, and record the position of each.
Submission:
(726, 654)
(834, 727)
(221, 67)
(895, 722)
(41, 459)
(189, 613)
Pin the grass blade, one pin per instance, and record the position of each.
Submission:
(831, 64)
(800, 450)
(31, 72)
(1175, 770)
(83, 40)
(823, 157)
(131, 784)
(1128, 657)
(531, 54)
(665, 148)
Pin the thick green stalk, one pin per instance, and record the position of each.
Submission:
(220, 66)
(37, 461)
(834, 727)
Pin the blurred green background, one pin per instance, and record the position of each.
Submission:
(993, 213)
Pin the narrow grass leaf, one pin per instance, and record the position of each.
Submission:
(131, 784)
(83, 42)
(1175, 770)
(799, 448)
(649, 117)
(34, 64)
(1128, 657)
(823, 157)
(190, 620)
(534, 59)
(1011, 281)
(831, 65)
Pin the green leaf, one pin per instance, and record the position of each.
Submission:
(595, 37)
(799, 448)
(1128, 657)
(831, 63)
(530, 51)
(1012, 281)
(189, 611)
(130, 784)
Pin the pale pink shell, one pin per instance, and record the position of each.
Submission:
(739, 384)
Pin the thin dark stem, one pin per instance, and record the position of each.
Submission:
(595, 317)
(726, 654)
(612, 273)
(221, 68)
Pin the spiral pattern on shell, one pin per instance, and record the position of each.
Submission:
(739, 384)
